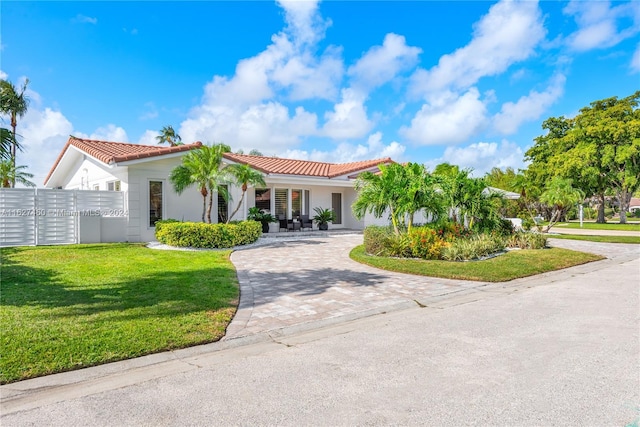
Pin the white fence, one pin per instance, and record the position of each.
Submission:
(53, 217)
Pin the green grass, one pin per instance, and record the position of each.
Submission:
(605, 226)
(512, 265)
(67, 307)
(602, 239)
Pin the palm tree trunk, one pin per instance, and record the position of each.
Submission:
(237, 207)
(210, 206)
(14, 124)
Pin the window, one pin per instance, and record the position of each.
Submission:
(155, 202)
(113, 186)
(296, 203)
(223, 205)
(263, 199)
(336, 205)
(282, 202)
(306, 202)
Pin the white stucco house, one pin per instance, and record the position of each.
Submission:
(141, 172)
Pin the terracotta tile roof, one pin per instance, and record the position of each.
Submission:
(276, 165)
(114, 152)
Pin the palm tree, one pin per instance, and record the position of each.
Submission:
(244, 175)
(560, 195)
(10, 174)
(6, 142)
(201, 167)
(15, 104)
(170, 136)
(379, 192)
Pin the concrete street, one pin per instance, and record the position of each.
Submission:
(358, 346)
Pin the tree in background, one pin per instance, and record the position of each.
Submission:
(202, 167)
(15, 104)
(244, 175)
(10, 174)
(599, 150)
(169, 136)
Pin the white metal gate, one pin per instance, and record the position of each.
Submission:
(51, 217)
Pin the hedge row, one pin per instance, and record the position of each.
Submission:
(201, 235)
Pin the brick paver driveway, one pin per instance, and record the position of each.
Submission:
(298, 281)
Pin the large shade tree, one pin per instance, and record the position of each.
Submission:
(244, 176)
(599, 150)
(202, 168)
(14, 103)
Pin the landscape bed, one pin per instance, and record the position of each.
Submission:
(511, 265)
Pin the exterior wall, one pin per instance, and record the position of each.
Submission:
(96, 174)
(184, 207)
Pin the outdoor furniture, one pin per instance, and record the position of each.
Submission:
(306, 222)
(284, 224)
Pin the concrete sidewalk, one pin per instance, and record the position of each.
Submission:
(326, 341)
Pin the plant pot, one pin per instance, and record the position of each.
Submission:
(265, 227)
(323, 227)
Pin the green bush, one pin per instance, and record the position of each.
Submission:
(376, 240)
(425, 243)
(201, 235)
(475, 247)
(524, 240)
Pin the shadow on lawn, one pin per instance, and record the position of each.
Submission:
(158, 291)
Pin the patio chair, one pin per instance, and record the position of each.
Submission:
(306, 222)
(284, 224)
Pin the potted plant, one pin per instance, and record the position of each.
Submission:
(257, 214)
(323, 217)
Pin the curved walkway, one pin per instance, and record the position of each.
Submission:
(292, 283)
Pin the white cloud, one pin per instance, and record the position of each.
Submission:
(635, 60)
(44, 134)
(598, 23)
(449, 119)
(529, 107)
(109, 132)
(375, 148)
(507, 34)
(149, 137)
(381, 64)
(3, 75)
(349, 117)
(482, 156)
(83, 19)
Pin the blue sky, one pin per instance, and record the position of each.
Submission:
(426, 81)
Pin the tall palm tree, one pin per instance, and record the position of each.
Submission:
(244, 175)
(201, 167)
(379, 192)
(15, 104)
(170, 136)
(10, 174)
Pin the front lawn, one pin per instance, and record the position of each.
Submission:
(601, 239)
(596, 226)
(512, 265)
(67, 307)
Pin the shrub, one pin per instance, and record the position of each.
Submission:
(425, 243)
(524, 240)
(201, 235)
(376, 240)
(475, 247)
